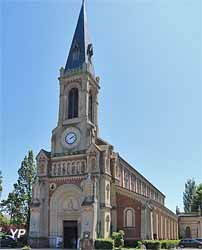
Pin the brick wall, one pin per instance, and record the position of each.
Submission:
(126, 202)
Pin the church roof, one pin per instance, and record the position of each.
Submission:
(81, 50)
(48, 154)
(138, 173)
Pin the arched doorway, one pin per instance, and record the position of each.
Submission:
(65, 215)
(187, 232)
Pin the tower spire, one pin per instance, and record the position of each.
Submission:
(81, 51)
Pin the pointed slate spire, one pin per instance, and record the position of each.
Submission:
(81, 50)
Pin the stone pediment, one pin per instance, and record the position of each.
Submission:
(43, 154)
(93, 149)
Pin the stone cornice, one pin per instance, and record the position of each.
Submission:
(164, 209)
(68, 178)
(131, 194)
(76, 75)
(68, 157)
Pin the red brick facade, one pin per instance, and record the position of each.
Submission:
(124, 202)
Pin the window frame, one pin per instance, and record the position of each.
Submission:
(90, 107)
(132, 210)
(73, 103)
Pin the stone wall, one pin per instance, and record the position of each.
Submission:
(190, 222)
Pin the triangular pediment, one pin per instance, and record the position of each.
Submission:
(93, 149)
(43, 154)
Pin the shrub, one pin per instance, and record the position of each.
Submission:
(104, 244)
(118, 238)
(26, 248)
(168, 244)
(139, 244)
(152, 244)
(131, 243)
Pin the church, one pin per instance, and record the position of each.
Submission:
(85, 190)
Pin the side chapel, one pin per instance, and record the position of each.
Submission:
(84, 189)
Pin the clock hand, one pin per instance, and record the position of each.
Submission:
(72, 137)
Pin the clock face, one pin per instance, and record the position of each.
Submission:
(71, 138)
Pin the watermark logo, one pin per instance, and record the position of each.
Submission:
(17, 233)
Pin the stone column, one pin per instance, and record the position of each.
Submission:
(114, 211)
(123, 177)
(143, 222)
(89, 215)
(151, 226)
(130, 181)
(157, 226)
(146, 222)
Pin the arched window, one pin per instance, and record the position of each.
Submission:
(187, 232)
(73, 103)
(129, 217)
(90, 107)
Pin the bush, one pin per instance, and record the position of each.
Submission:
(118, 239)
(139, 244)
(152, 244)
(168, 244)
(162, 244)
(26, 248)
(104, 244)
(131, 243)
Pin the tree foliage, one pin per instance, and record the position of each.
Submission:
(190, 189)
(196, 204)
(4, 220)
(18, 202)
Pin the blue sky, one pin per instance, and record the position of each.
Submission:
(148, 55)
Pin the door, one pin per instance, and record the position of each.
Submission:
(70, 234)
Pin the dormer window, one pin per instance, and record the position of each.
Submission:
(76, 52)
(90, 52)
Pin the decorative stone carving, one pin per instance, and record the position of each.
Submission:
(70, 204)
(52, 186)
(68, 168)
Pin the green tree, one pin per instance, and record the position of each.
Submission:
(190, 189)
(197, 199)
(27, 176)
(18, 202)
(13, 207)
(4, 220)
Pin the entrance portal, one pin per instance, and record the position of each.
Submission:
(70, 234)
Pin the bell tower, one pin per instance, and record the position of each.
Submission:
(77, 126)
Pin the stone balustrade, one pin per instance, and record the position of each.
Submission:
(66, 168)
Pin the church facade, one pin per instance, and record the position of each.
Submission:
(84, 189)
